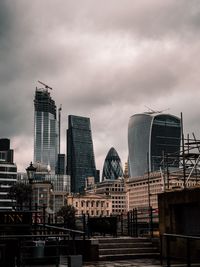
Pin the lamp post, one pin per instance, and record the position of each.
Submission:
(31, 170)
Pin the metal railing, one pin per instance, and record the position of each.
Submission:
(44, 246)
(182, 249)
(139, 222)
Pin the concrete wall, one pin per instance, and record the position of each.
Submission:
(179, 212)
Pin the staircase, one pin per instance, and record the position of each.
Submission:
(124, 248)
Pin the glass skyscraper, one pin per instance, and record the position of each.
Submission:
(112, 168)
(45, 129)
(80, 154)
(150, 136)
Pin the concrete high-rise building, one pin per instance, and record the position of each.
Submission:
(150, 136)
(80, 154)
(45, 129)
(8, 174)
(112, 168)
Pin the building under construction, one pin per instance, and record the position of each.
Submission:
(45, 129)
(177, 171)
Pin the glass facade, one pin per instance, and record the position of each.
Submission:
(165, 138)
(150, 135)
(61, 166)
(45, 129)
(112, 168)
(80, 154)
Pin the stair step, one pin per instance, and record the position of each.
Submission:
(129, 256)
(122, 251)
(125, 245)
(123, 240)
(124, 248)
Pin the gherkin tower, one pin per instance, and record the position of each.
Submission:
(112, 168)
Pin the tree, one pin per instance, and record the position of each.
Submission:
(68, 214)
(21, 193)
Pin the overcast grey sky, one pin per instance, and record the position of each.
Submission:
(106, 60)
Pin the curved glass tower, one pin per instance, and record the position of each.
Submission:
(112, 168)
(149, 136)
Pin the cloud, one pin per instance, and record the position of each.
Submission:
(104, 59)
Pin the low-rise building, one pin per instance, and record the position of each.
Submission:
(143, 191)
(91, 204)
(113, 188)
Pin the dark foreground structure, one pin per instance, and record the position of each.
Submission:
(179, 217)
(25, 242)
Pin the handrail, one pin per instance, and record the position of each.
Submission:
(62, 229)
(182, 236)
(188, 238)
(31, 236)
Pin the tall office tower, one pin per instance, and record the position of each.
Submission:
(150, 136)
(45, 129)
(61, 166)
(8, 174)
(80, 154)
(112, 168)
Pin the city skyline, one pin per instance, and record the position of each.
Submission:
(106, 65)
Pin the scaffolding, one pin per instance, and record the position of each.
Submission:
(188, 162)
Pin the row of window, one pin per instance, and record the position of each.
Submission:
(92, 204)
(97, 213)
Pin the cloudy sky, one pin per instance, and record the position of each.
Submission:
(106, 60)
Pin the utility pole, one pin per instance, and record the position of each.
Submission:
(59, 127)
(148, 174)
(183, 152)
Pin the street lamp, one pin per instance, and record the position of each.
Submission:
(31, 170)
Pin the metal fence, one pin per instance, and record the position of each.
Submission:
(45, 248)
(137, 222)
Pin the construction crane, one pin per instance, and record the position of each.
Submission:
(46, 86)
(59, 124)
